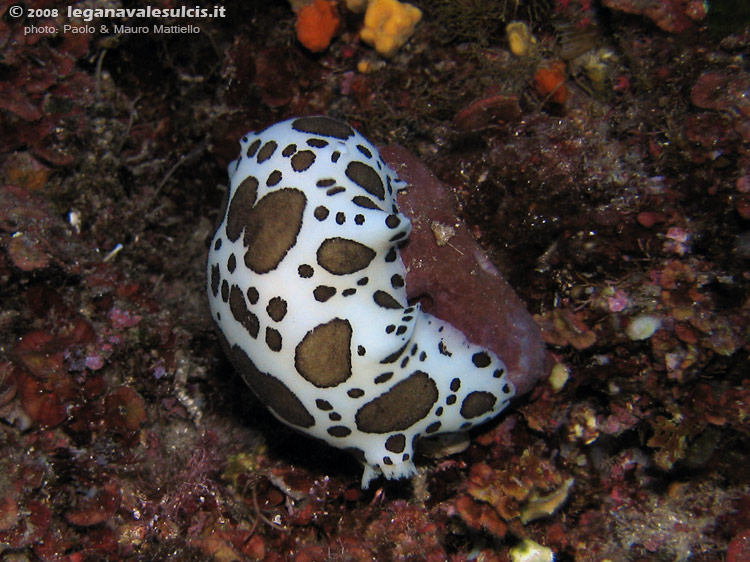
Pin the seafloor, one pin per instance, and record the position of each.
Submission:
(605, 171)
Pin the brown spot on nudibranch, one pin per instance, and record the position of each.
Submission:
(266, 151)
(215, 279)
(433, 427)
(320, 125)
(341, 256)
(393, 357)
(392, 221)
(271, 391)
(364, 150)
(383, 377)
(365, 202)
(323, 357)
(273, 339)
(273, 178)
(240, 312)
(335, 190)
(303, 160)
(339, 431)
(276, 309)
(477, 403)
(366, 177)
(272, 227)
(396, 443)
(252, 295)
(241, 207)
(481, 359)
(399, 408)
(386, 300)
(324, 405)
(322, 293)
(252, 149)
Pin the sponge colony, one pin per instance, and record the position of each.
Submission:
(317, 23)
(389, 24)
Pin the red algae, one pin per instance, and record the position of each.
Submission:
(98, 506)
(125, 409)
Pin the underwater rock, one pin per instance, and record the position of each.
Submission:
(449, 273)
(674, 16)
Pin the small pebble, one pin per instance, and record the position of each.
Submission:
(559, 376)
(530, 551)
(643, 327)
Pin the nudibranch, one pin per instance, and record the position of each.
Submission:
(307, 288)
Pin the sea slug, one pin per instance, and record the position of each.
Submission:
(307, 288)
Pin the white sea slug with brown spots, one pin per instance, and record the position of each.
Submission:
(307, 288)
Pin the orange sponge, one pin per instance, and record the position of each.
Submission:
(550, 82)
(317, 23)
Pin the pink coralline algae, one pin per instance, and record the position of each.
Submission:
(670, 15)
(125, 409)
(122, 319)
(449, 273)
(723, 127)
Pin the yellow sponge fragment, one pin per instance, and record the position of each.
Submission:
(389, 24)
